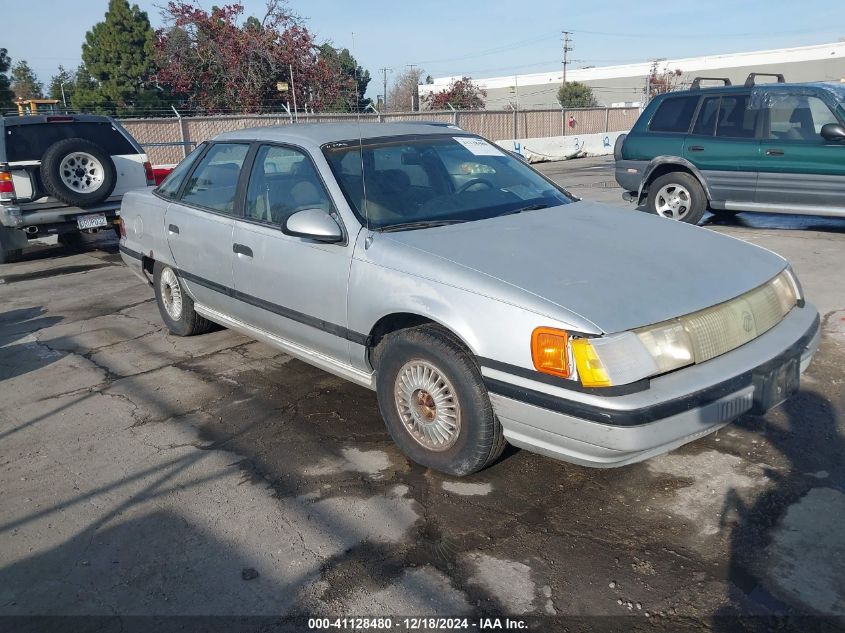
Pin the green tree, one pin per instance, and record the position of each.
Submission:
(6, 94)
(574, 94)
(118, 53)
(86, 92)
(341, 62)
(25, 83)
(62, 86)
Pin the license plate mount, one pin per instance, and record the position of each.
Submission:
(91, 221)
(774, 385)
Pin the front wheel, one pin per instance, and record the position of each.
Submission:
(434, 402)
(174, 304)
(677, 196)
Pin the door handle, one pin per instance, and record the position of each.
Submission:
(695, 148)
(774, 152)
(172, 228)
(240, 249)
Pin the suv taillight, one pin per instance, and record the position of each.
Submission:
(7, 187)
(148, 171)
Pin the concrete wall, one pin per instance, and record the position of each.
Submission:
(538, 150)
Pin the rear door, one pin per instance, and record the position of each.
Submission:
(724, 145)
(799, 168)
(290, 286)
(199, 225)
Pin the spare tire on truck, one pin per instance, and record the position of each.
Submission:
(78, 172)
(617, 147)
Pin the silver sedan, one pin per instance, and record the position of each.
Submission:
(482, 302)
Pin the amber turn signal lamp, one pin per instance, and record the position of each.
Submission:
(550, 351)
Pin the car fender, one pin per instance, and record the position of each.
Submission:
(660, 161)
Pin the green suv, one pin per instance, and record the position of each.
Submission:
(773, 147)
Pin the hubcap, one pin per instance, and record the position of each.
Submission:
(171, 294)
(673, 201)
(428, 405)
(81, 172)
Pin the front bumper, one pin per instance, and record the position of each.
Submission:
(677, 408)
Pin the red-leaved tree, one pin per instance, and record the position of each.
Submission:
(462, 94)
(219, 63)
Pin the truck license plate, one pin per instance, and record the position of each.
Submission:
(775, 385)
(91, 221)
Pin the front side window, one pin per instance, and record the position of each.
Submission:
(169, 187)
(215, 180)
(736, 119)
(798, 118)
(397, 183)
(283, 181)
(674, 115)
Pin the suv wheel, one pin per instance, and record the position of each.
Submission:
(78, 172)
(677, 196)
(9, 256)
(174, 304)
(434, 403)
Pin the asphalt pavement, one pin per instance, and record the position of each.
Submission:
(144, 474)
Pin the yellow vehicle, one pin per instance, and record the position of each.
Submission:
(31, 106)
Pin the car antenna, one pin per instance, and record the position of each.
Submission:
(369, 238)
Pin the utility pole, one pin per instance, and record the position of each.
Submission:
(566, 49)
(293, 92)
(415, 91)
(384, 73)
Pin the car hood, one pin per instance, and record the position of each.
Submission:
(619, 269)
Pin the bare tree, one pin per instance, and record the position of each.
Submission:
(404, 93)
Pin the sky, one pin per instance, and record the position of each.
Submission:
(486, 38)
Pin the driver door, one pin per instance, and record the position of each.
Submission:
(288, 286)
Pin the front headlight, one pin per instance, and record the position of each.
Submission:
(626, 357)
(669, 345)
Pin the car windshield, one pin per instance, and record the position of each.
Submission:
(428, 180)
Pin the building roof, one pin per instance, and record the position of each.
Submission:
(688, 65)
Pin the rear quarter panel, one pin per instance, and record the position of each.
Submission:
(143, 214)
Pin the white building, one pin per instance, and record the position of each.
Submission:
(626, 83)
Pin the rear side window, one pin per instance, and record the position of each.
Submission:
(736, 120)
(705, 123)
(215, 180)
(798, 118)
(674, 115)
(30, 141)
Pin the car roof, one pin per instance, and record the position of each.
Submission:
(322, 133)
(831, 87)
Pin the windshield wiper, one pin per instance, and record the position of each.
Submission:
(530, 207)
(420, 224)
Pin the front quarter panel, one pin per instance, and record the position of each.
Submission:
(388, 279)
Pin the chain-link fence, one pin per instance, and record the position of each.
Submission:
(168, 140)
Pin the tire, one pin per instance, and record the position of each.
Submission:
(177, 311)
(10, 256)
(617, 147)
(78, 172)
(678, 196)
(409, 360)
(72, 241)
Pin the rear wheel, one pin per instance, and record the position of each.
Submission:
(677, 196)
(174, 304)
(9, 256)
(434, 402)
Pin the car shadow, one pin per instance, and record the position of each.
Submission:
(18, 358)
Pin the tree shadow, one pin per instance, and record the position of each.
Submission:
(766, 590)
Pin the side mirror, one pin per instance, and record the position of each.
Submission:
(833, 132)
(313, 224)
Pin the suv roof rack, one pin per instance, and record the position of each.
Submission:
(696, 83)
(752, 76)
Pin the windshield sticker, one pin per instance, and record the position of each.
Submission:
(478, 146)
